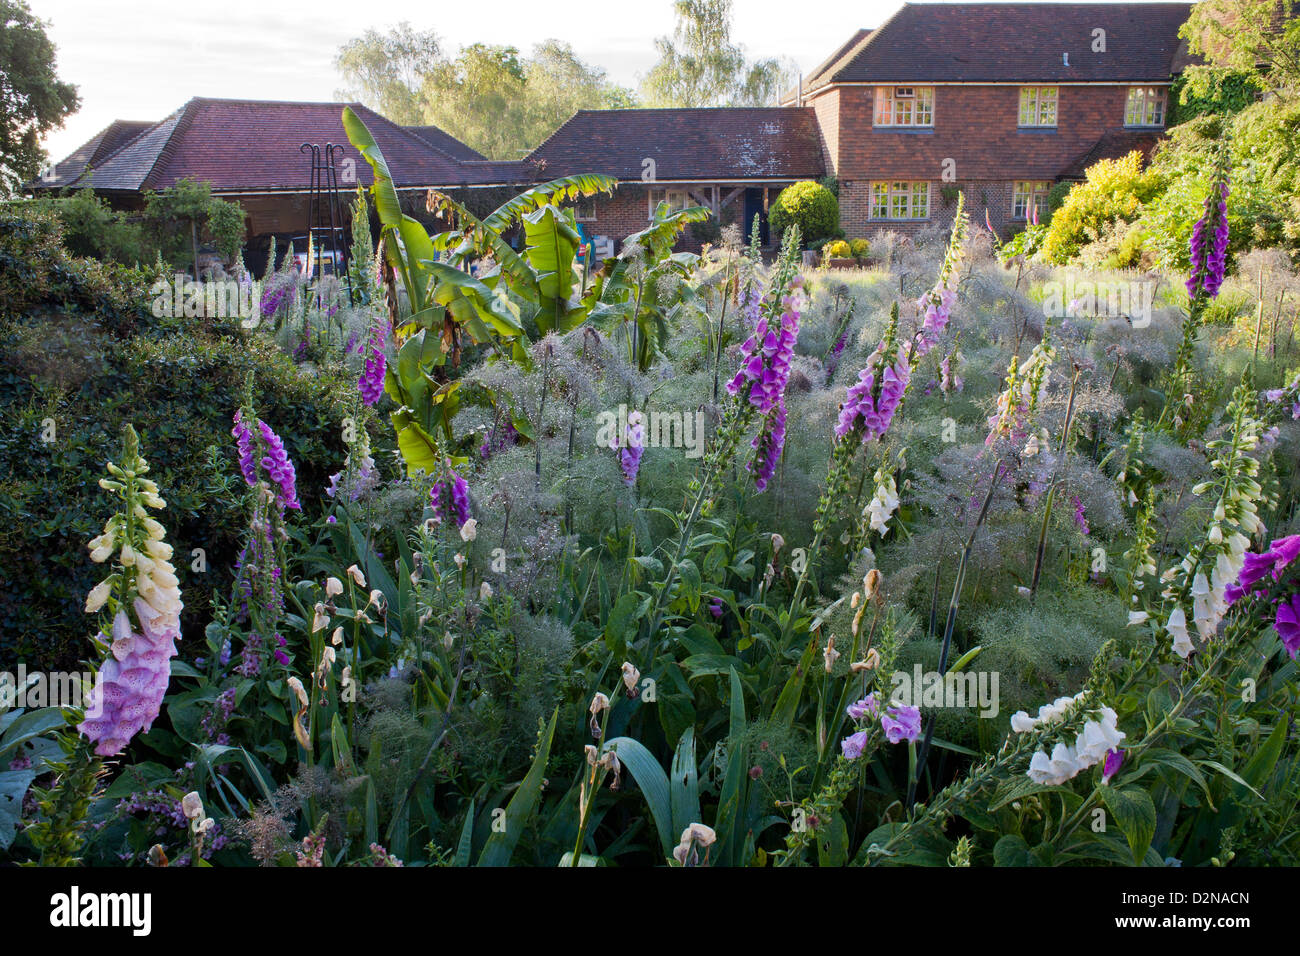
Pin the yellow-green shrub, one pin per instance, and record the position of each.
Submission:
(1114, 189)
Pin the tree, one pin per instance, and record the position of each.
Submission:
(503, 105)
(387, 71)
(179, 214)
(701, 66)
(491, 98)
(1258, 36)
(559, 84)
(480, 99)
(33, 100)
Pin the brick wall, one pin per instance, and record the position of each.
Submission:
(991, 196)
(976, 127)
(628, 211)
(827, 108)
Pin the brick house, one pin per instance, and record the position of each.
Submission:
(732, 160)
(999, 100)
(248, 150)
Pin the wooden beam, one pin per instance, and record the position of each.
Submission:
(731, 196)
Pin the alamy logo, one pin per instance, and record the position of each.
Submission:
(1075, 298)
(35, 689)
(930, 689)
(662, 430)
(214, 299)
(76, 909)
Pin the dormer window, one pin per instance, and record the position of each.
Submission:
(1145, 106)
(904, 106)
(1038, 106)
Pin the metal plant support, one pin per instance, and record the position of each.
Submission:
(325, 211)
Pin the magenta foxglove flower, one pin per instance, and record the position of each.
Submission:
(629, 455)
(1209, 246)
(279, 469)
(1287, 624)
(765, 372)
(132, 681)
(1080, 518)
(371, 383)
(853, 745)
(901, 722)
(460, 499)
(244, 445)
(874, 398)
(769, 444)
(1255, 567)
(1114, 760)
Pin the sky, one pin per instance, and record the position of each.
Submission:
(142, 59)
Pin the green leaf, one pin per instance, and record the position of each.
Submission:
(1134, 814)
(13, 788)
(28, 726)
(729, 824)
(684, 784)
(567, 187)
(787, 705)
(468, 299)
(1012, 850)
(501, 844)
(382, 192)
(465, 844)
(652, 780)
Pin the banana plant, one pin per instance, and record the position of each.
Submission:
(449, 305)
(626, 292)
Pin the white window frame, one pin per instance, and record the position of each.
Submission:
(1146, 106)
(677, 198)
(1026, 191)
(903, 107)
(1043, 104)
(584, 210)
(902, 200)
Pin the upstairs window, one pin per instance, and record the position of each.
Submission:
(1145, 106)
(904, 106)
(900, 200)
(1038, 106)
(1027, 196)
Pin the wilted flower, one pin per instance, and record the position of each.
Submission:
(631, 678)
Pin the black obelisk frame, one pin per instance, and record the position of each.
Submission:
(325, 210)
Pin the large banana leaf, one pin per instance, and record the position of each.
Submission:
(545, 194)
(658, 238)
(382, 192)
(473, 239)
(552, 244)
(472, 303)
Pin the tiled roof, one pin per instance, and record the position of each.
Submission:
(446, 142)
(253, 146)
(1012, 42)
(725, 143)
(104, 143)
(1112, 145)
